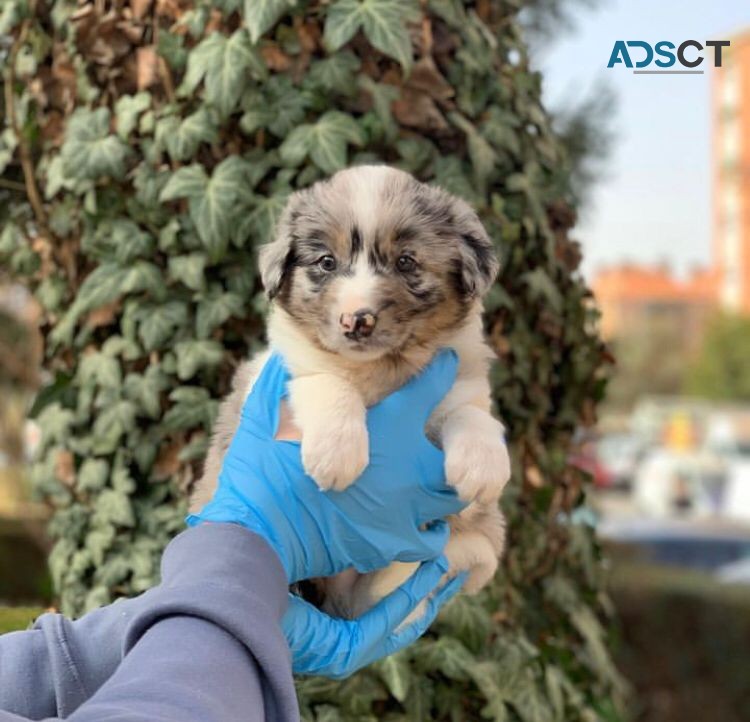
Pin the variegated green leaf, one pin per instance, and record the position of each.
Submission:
(226, 66)
(212, 201)
(194, 355)
(182, 139)
(215, 309)
(325, 142)
(90, 150)
(261, 15)
(385, 23)
(189, 269)
(127, 110)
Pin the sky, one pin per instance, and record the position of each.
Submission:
(653, 203)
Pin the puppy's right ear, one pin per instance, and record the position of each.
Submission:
(275, 260)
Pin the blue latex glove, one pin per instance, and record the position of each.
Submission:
(378, 519)
(337, 648)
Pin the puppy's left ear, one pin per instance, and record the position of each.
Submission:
(477, 257)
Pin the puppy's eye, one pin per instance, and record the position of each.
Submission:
(406, 264)
(327, 263)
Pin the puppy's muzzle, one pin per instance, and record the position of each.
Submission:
(359, 324)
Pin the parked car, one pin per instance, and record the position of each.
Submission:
(587, 459)
(718, 548)
(621, 455)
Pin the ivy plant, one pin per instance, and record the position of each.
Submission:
(148, 149)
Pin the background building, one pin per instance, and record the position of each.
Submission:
(731, 122)
(633, 297)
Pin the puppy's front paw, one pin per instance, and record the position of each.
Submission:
(478, 467)
(335, 454)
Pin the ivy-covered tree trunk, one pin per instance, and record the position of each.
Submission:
(148, 148)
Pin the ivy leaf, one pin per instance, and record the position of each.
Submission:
(288, 104)
(102, 286)
(185, 182)
(159, 322)
(384, 23)
(468, 620)
(100, 369)
(325, 141)
(260, 222)
(394, 670)
(92, 476)
(262, 15)
(226, 66)
(415, 152)
(214, 309)
(328, 713)
(183, 139)
(280, 106)
(482, 154)
(127, 110)
(114, 507)
(112, 423)
(90, 151)
(145, 390)
(448, 656)
(194, 355)
(55, 423)
(212, 202)
(192, 407)
(120, 240)
(142, 276)
(543, 288)
(258, 116)
(335, 74)
(189, 270)
(382, 96)
(449, 174)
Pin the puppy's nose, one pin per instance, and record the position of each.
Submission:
(359, 324)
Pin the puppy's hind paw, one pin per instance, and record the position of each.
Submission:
(473, 553)
(335, 457)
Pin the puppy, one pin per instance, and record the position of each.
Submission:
(372, 272)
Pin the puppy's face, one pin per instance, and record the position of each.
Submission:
(372, 261)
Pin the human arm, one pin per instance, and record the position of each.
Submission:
(205, 644)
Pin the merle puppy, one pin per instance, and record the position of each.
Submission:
(372, 272)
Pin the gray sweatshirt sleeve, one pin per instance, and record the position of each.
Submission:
(205, 644)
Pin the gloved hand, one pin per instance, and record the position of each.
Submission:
(378, 519)
(337, 648)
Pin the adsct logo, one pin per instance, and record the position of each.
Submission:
(663, 57)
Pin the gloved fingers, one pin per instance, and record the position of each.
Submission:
(429, 544)
(404, 637)
(438, 501)
(419, 396)
(378, 623)
(319, 643)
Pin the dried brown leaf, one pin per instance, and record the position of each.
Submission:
(167, 462)
(65, 470)
(416, 109)
(147, 61)
(140, 7)
(276, 59)
(103, 316)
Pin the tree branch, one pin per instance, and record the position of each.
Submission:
(24, 151)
